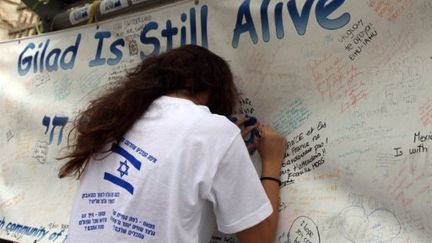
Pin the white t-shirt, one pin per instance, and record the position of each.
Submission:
(178, 173)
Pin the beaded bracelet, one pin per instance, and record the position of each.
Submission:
(271, 179)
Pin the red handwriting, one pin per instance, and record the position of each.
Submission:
(397, 45)
(338, 81)
(405, 188)
(426, 112)
(391, 9)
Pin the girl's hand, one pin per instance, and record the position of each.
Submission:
(246, 133)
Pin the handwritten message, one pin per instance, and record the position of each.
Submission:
(288, 120)
(357, 38)
(245, 106)
(338, 81)
(391, 9)
(305, 152)
(221, 238)
(412, 180)
(40, 151)
(303, 230)
(425, 111)
(419, 139)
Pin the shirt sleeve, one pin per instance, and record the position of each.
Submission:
(238, 197)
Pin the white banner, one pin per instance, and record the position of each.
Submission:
(347, 82)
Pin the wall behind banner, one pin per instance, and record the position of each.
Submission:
(347, 82)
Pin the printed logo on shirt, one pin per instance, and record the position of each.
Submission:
(123, 169)
(128, 162)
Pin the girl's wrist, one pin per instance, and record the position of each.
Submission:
(271, 170)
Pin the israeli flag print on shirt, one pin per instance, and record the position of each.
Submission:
(128, 162)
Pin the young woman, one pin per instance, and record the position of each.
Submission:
(158, 161)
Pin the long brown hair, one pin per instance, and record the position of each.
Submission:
(190, 68)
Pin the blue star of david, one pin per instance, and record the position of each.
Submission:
(123, 168)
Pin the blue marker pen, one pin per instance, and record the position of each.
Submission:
(250, 122)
